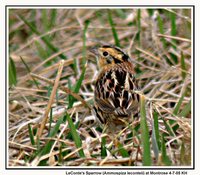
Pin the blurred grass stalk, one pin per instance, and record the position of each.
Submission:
(45, 39)
(84, 41)
(146, 158)
(12, 73)
(173, 26)
(138, 27)
(29, 71)
(115, 35)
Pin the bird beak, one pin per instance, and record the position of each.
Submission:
(94, 50)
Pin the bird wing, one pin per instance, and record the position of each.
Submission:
(115, 93)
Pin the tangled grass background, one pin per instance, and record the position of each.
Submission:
(51, 84)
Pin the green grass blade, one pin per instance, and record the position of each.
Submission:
(77, 87)
(176, 111)
(121, 13)
(115, 35)
(103, 147)
(169, 128)
(12, 73)
(80, 80)
(178, 105)
(42, 53)
(160, 24)
(53, 15)
(155, 136)
(165, 158)
(173, 58)
(138, 26)
(45, 20)
(173, 27)
(32, 27)
(46, 149)
(173, 24)
(60, 155)
(137, 38)
(70, 98)
(156, 128)
(55, 130)
(31, 134)
(45, 39)
(33, 16)
(183, 66)
(161, 30)
(84, 42)
(75, 135)
(146, 159)
(155, 144)
(28, 70)
(186, 110)
(150, 12)
(49, 91)
(123, 151)
(26, 65)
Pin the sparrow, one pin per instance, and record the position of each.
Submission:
(115, 97)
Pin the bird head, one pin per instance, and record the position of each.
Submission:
(109, 55)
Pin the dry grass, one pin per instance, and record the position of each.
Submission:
(161, 52)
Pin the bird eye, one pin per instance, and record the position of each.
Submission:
(105, 54)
